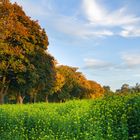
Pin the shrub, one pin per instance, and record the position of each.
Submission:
(110, 118)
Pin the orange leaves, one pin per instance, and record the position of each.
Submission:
(76, 85)
(23, 56)
(18, 29)
(96, 89)
(59, 83)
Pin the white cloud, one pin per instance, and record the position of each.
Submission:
(131, 60)
(93, 11)
(96, 64)
(70, 25)
(75, 27)
(101, 22)
(130, 31)
(98, 15)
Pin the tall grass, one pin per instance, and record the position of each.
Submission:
(111, 118)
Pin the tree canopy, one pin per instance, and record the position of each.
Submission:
(24, 63)
(27, 71)
(75, 85)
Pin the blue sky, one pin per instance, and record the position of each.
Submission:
(101, 37)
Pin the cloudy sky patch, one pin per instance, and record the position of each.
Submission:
(93, 35)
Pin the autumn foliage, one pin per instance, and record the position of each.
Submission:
(27, 71)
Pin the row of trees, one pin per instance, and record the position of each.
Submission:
(27, 71)
(72, 84)
(125, 89)
(129, 89)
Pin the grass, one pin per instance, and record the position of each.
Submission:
(111, 118)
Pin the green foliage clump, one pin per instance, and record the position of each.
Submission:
(109, 118)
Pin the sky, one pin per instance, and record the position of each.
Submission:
(100, 37)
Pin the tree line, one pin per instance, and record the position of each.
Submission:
(28, 73)
(124, 90)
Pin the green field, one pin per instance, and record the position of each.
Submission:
(111, 118)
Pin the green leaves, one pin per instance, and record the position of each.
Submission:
(23, 45)
(74, 85)
(111, 118)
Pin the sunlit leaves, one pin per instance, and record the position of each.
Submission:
(75, 85)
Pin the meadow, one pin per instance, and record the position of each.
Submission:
(109, 118)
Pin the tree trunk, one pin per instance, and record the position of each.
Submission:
(3, 92)
(20, 99)
(34, 98)
(31, 99)
(46, 99)
(1, 98)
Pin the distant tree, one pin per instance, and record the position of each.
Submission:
(118, 91)
(137, 88)
(81, 87)
(96, 90)
(70, 80)
(125, 88)
(107, 91)
(75, 86)
(56, 88)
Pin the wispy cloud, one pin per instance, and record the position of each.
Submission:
(98, 15)
(130, 31)
(73, 26)
(128, 62)
(131, 60)
(96, 64)
(100, 21)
